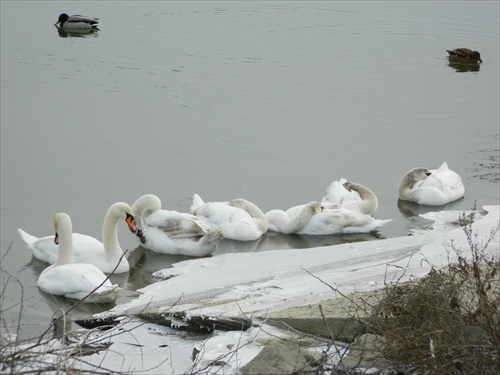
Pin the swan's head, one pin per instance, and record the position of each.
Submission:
(62, 222)
(418, 174)
(329, 206)
(122, 210)
(143, 207)
(239, 203)
(252, 209)
(409, 179)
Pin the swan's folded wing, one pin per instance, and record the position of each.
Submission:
(177, 225)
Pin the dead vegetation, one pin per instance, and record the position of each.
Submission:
(447, 322)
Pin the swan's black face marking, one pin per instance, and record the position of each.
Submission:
(428, 173)
(56, 238)
(130, 222)
(141, 236)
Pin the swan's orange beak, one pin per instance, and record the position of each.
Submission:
(130, 222)
(56, 239)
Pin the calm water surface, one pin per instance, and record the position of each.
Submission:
(270, 101)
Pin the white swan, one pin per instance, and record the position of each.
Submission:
(105, 255)
(434, 187)
(171, 232)
(352, 196)
(240, 219)
(74, 280)
(318, 218)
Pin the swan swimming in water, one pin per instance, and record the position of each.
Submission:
(74, 280)
(352, 196)
(434, 187)
(240, 219)
(171, 232)
(321, 218)
(86, 249)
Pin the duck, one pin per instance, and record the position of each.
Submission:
(240, 219)
(74, 280)
(77, 22)
(321, 218)
(464, 55)
(351, 195)
(171, 232)
(435, 187)
(107, 255)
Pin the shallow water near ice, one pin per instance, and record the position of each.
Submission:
(270, 101)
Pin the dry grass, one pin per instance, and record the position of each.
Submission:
(447, 322)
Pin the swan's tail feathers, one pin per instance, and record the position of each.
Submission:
(444, 166)
(28, 238)
(197, 202)
(215, 236)
(383, 222)
(210, 242)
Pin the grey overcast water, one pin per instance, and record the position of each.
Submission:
(269, 101)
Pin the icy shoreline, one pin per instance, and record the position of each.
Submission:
(265, 284)
(259, 283)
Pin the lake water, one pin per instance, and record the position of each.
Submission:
(269, 101)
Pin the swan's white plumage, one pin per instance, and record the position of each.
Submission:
(434, 187)
(171, 232)
(74, 280)
(312, 219)
(352, 196)
(86, 249)
(240, 219)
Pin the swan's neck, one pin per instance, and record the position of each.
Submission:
(110, 233)
(288, 225)
(143, 207)
(370, 201)
(258, 216)
(65, 236)
(405, 185)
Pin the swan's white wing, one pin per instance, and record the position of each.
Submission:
(177, 225)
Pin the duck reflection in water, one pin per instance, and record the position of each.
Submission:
(464, 67)
(77, 33)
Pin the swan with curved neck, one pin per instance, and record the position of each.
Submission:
(74, 280)
(86, 249)
(318, 218)
(294, 220)
(434, 187)
(171, 232)
(351, 195)
(240, 219)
